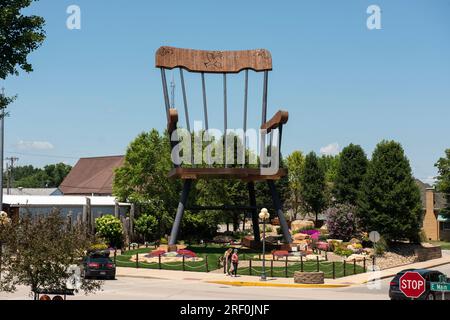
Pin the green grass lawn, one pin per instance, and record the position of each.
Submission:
(310, 266)
(214, 252)
(211, 251)
(444, 244)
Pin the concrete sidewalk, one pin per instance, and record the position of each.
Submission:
(391, 272)
(216, 278)
(242, 280)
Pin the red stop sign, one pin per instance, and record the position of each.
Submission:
(412, 284)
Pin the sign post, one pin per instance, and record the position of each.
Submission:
(412, 284)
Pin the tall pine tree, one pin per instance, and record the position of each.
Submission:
(350, 172)
(443, 179)
(313, 185)
(389, 201)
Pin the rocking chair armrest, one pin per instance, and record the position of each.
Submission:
(280, 118)
(172, 121)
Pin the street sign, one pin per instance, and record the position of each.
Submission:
(374, 236)
(412, 284)
(441, 287)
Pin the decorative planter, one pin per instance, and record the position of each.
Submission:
(309, 277)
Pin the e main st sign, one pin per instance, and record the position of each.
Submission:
(441, 286)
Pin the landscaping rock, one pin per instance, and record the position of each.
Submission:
(357, 257)
(309, 277)
(313, 257)
(300, 224)
(300, 236)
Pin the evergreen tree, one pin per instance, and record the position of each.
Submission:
(350, 172)
(389, 201)
(443, 179)
(295, 164)
(313, 185)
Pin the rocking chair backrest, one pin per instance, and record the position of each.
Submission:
(214, 62)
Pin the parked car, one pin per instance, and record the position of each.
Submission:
(429, 275)
(98, 265)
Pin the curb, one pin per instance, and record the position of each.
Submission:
(393, 274)
(283, 285)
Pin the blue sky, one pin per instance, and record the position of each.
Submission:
(93, 90)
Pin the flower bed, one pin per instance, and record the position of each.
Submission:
(156, 253)
(187, 253)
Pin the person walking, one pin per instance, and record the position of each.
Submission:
(235, 262)
(227, 261)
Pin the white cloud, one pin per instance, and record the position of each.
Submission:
(34, 145)
(330, 150)
(430, 180)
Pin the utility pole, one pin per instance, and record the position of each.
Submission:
(10, 172)
(2, 139)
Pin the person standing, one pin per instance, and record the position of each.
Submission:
(235, 262)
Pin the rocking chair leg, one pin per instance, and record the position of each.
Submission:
(255, 219)
(279, 209)
(180, 212)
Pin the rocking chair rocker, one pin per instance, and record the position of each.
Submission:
(223, 63)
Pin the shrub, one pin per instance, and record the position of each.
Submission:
(110, 228)
(342, 222)
(340, 251)
(146, 226)
(98, 247)
(307, 228)
(323, 237)
(322, 246)
(163, 241)
(380, 247)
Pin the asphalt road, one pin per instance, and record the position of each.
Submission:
(156, 289)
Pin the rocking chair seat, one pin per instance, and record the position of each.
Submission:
(246, 174)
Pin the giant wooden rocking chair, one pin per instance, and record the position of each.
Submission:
(222, 62)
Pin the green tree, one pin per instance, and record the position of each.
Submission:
(389, 201)
(56, 173)
(143, 178)
(146, 226)
(443, 179)
(19, 36)
(329, 165)
(110, 229)
(350, 172)
(296, 165)
(313, 185)
(42, 253)
(28, 176)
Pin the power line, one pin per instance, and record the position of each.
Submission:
(42, 155)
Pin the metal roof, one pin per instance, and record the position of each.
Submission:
(42, 201)
(33, 191)
(91, 176)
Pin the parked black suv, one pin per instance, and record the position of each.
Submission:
(98, 265)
